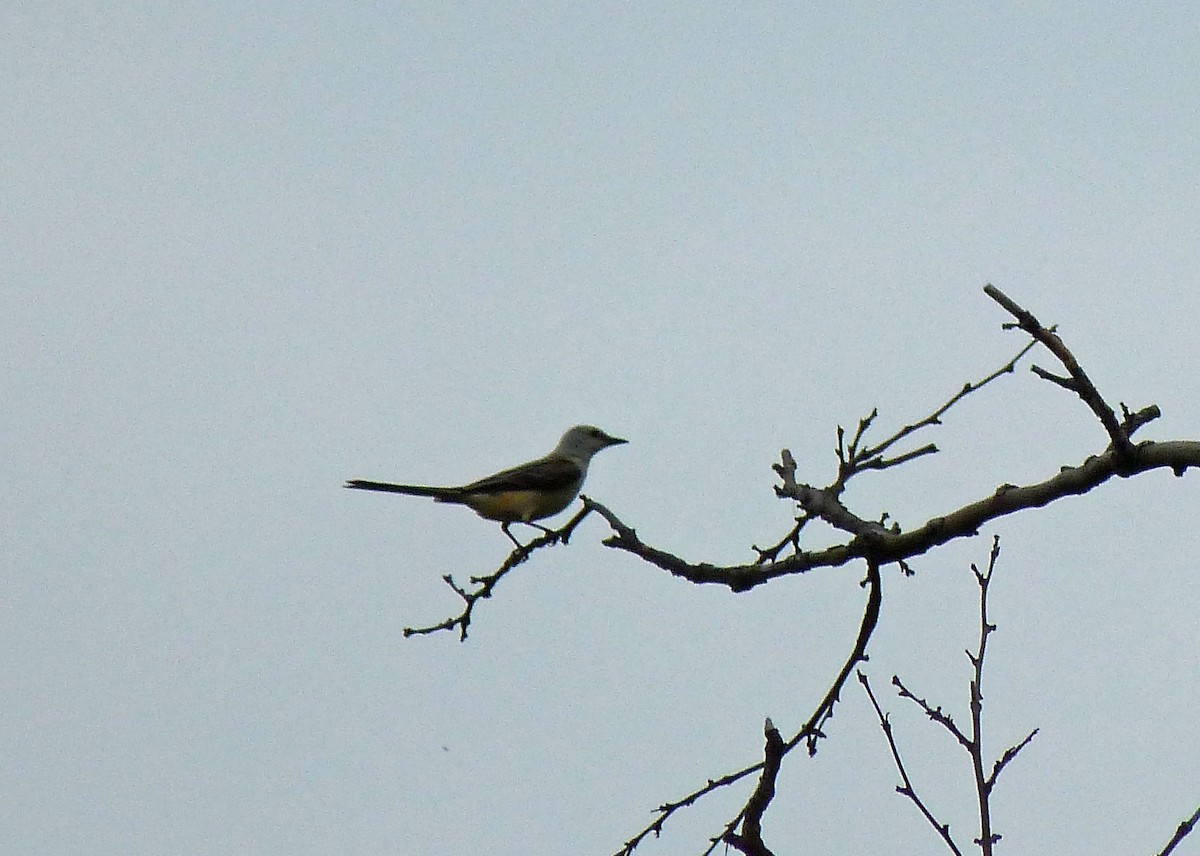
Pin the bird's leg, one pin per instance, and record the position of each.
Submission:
(554, 534)
(504, 527)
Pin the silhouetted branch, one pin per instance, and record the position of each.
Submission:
(983, 787)
(665, 810)
(1131, 422)
(485, 584)
(973, 743)
(770, 554)
(1009, 754)
(906, 788)
(810, 731)
(750, 840)
(1181, 833)
(1079, 382)
(866, 459)
(887, 546)
(936, 714)
(879, 543)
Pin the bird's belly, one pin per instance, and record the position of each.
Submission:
(519, 505)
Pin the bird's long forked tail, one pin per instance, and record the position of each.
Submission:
(440, 494)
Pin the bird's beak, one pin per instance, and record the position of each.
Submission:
(616, 441)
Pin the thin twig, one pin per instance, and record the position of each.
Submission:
(1181, 833)
(936, 714)
(983, 788)
(486, 584)
(972, 743)
(935, 418)
(750, 840)
(810, 732)
(907, 789)
(1079, 383)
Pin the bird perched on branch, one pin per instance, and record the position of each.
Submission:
(523, 493)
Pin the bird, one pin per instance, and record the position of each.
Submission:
(524, 493)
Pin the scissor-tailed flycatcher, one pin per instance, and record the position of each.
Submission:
(525, 493)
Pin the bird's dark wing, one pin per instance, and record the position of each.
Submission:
(545, 474)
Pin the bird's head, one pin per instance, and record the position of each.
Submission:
(583, 441)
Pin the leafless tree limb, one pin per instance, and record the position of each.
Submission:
(936, 714)
(871, 540)
(1009, 754)
(870, 457)
(879, 544)
(906, 788)
(792, 539)
(886, 546)
(983, 788)
(1181, 833)
(1079, 382)
(750, 841)
(973, 742)
(809, 733)
(486, 584)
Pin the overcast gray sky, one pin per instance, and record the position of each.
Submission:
(250, 251)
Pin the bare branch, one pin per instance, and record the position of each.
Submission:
(1058, 380)
(972, 743)
(792, 539)
(484, 585)
(1131, 422)
(935, 418)
(934, 713)
(887, 546)
(906, 789)
(983, 787)
(750, 840)
(810, 731)
(886, 463)
(665, 810)
(1080, 383)
(1009, 754)
(1181, 833)
(823, 503)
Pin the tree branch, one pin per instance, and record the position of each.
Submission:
(983, 788)
(973, 743)
(1079, 382)
(810, 731)
(906, 788)
(750, 840)
(486, 584)
(1181, 833)
(874, 452)
(883, 546)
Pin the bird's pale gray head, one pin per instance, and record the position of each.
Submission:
(583, 441)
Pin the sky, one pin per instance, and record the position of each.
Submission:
(248, 252)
